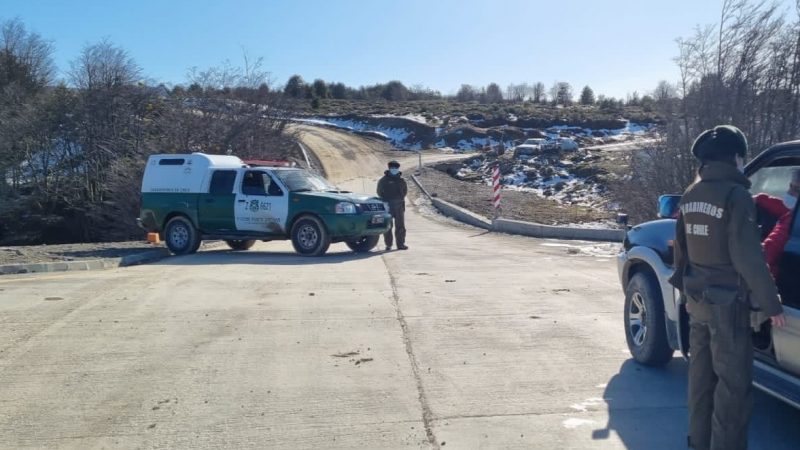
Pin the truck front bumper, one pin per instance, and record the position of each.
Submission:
(354, 225)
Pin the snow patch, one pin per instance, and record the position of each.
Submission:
(573, 423)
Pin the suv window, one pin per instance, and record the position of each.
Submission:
(222, 182)
(775, 179)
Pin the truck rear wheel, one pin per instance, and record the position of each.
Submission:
(239, 244)
(310, 237)
(363, 244)
(645, 327)
(181, 236)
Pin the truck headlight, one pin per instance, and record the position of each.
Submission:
(345, 208)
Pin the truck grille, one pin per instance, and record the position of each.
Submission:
(372, 207)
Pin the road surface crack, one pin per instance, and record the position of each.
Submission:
(427, 415)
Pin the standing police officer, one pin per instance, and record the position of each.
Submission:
(721, 269)
(392, 189)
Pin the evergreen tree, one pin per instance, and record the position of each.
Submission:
(587, 96)
(295, 87)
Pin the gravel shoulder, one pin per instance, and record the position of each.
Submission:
(72, 252)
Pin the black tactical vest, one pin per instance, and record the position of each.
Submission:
(704, 208)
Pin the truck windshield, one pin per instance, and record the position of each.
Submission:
(301, 180)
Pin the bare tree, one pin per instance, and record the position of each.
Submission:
(664, 91)
(561, 93)
(539, 95)
(25, 57)
(745, 70)
(104, 66)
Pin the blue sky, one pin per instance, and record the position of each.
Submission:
(614, 46)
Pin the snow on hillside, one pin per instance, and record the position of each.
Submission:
(563, 180)
(404, 139)
(398, 137)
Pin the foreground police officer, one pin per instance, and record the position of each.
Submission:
(392, 189)
(720, 268)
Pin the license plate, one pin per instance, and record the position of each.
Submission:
(377, 220)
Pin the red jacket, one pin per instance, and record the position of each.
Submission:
(779, 236)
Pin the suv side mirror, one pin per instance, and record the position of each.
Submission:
(668, 206)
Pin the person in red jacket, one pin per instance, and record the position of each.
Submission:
(777, 238)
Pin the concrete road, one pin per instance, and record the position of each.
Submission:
(468, 340)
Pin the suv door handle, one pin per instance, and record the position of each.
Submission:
(240, 201)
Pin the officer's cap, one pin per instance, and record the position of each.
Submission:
(394, 164)
(722, 142)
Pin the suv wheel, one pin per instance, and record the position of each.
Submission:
(181, 236)
(645, 328)
(309, 236)
(239, 244)
(363, 244)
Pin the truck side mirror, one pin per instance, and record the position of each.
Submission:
(668, 206)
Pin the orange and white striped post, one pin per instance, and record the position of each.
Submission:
(496, 189)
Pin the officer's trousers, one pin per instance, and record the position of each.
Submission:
(720, 375)
(398, 212)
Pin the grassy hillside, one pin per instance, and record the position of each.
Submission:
(435, 111)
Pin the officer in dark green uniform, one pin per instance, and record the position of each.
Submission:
(720, 268)
(392, 189)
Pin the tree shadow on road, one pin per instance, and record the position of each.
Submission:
(647, 410)
(225, 256)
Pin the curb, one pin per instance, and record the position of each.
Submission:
(421, 187)
(520, 227)
(461, 214)
(556, 232)
(92, 264)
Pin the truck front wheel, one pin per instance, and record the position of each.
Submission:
(181, 236)
(645, 327)
(310, 237)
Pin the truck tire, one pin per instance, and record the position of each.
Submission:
(363, 244)
(645, 327)
(239, 244)
(181, 236)
(310, 237)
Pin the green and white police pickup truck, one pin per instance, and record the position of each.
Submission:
(192, 197)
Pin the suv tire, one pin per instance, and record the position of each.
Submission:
(363, 244)
(181, 236)
(645, 327)
(310, 237)
(239, 244)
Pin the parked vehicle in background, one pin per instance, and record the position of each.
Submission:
(532, 146)
(566, 144)
(656, 321)
(190, 198)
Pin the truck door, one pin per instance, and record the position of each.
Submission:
(215, 210)
(261, 204)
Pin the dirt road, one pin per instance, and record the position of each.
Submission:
(468, 340)
(347, 157)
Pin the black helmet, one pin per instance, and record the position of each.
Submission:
(394, 164)
(723, 142)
